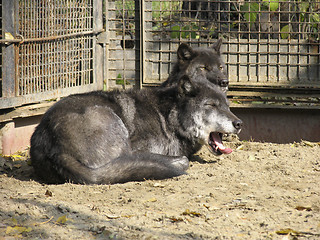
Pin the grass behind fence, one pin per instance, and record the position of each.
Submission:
(160, 9)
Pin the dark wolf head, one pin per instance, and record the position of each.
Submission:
(200, 64)
(206, 115)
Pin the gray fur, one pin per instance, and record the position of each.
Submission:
(200, 64)
(115, 137)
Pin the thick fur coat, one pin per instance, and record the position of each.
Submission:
(120, 136)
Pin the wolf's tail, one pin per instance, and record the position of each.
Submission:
(140, 166)
(137, 166)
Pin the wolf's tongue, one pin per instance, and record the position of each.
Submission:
(218, 141)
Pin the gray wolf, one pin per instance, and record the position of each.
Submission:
(203, 64)
(121, 136)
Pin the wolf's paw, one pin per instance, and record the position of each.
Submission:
(181, 163)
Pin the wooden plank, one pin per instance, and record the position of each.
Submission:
(26, 111)
(271, 106)
(234, 83)
(271, 94)
(37, 97)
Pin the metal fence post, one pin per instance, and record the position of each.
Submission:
(140, 40)
(98, 60)
(9, 51)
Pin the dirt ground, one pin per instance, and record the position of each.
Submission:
(260, 191)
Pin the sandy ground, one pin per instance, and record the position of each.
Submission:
(260, 191)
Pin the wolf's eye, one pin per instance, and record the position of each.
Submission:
(221, 68)
(203, 68)
(210, 104)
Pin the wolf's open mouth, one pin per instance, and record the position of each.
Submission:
(215, 144)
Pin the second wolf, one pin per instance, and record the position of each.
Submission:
(200, 64)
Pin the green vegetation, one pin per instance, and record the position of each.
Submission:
(187, 31)
(301, 11)
(286, 19)
(121, 81)
(160, 9)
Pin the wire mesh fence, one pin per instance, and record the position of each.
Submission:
(45, 66)
(50, 49)
(121, 27)
(266, 43)
(271, 47)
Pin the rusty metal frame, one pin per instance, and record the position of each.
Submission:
(9, 52)
(12, 41)
(21, 40)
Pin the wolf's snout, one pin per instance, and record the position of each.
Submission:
(224, 83)
(237, 124)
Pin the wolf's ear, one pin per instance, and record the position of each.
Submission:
(217, 45)
(185, 86)
(185, 52)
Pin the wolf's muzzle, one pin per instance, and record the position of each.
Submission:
(237, 124)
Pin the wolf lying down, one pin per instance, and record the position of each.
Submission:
(115, 137)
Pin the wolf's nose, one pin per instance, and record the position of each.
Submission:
(237, 124)
(224, 83)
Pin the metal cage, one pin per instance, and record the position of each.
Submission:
(49, 49)
(271, 48)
